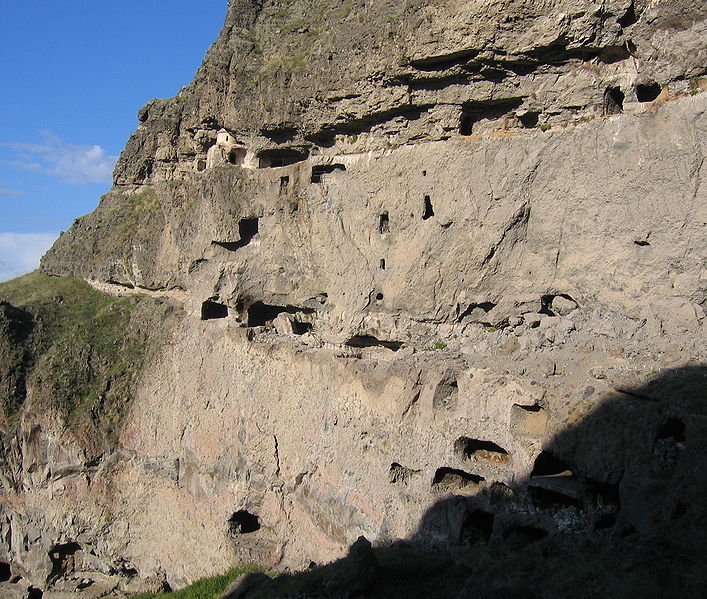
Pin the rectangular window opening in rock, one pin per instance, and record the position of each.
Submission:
(383, 223)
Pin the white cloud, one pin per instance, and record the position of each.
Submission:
(20, 252)
(11, 192)
(69, 162)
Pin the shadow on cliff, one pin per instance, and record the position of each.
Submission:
(614, 507)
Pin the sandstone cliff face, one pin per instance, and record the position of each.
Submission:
(415, 244)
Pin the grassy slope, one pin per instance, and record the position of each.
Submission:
(83, 355)
(206, 588)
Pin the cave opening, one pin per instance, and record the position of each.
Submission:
(428, 212)
(674, 429)
(284, 183)
(319, 171)
(259, 314)
(211, 310)
(371, 341)
(529, 120)
(613, 101)
(383, 223)
(243, 522)
(65, 558)
(648, 92)
(466, 124)
(237, 156)
(547, 464)
(5, 572)
(278, 158)
(477, 526)
(34, 593)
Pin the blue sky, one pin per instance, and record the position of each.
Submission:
(74, 74)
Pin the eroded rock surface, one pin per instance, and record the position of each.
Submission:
(435, 259)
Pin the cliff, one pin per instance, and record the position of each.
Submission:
(429, 270)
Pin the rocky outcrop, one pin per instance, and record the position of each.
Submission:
(428, 254)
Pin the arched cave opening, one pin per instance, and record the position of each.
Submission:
(237, 156)
(647, 92)
(5, 572)
(243, 522)
(547, 464)
(34, 593)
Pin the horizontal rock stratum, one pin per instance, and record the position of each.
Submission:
(433, 273)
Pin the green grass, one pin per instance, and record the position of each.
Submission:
(438, 345)
(84, 353)
(206, 588)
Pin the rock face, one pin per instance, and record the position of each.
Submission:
(431, 256)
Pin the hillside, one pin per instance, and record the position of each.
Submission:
(432, 273)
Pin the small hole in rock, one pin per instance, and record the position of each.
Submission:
(200, 165)
(381, 265)
(424, 173)
(400, 475)
(451, 479)
(428, 211)
(379, 297)
(641, 242)
(243, 522)
(529, 120)
(482, 450)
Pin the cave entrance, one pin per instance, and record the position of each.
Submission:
(259, 314)
(383, 223)
(278, 158)
(5, 572)
(547, 464)
(428, 212)
(477, 527)
(65, 558)
(237, 156)
(319, 171)
(613, 101)
(243, 522)
(211, 310)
